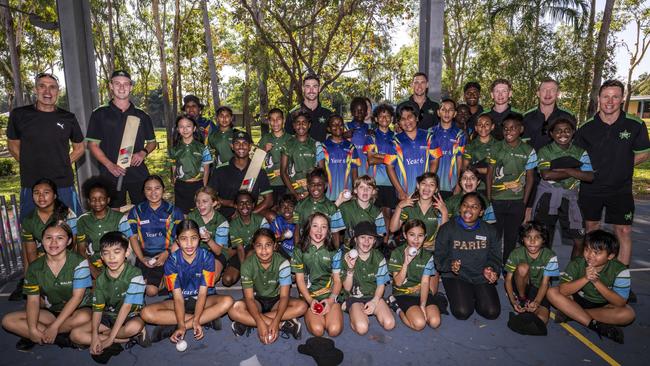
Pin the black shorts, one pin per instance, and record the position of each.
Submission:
(531, 293)
(386, 197)
(405, 302)
(541, 214)
(586, 304)
(109, 321)
(619, 208)
(353, 300)
(152, 276)
(222, 259)
(190, 305)
(233, 262)
(267, 303)
(184, 194)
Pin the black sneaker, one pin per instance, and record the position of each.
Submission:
(608, 331)
(17, 293)
(392, 303)
(560, 317)
(215, 324)
(142, 339)
(161, 332)
(240, 329)
(24, 344)
(113, 350)
(292, 327)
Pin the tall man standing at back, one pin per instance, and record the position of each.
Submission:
(104, 138)
(616, 142)
(311, 104)
(38, 137)
(537, 120)
(426, 110)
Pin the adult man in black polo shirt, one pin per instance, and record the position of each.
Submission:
(311, 104)
(425, 108)
(38, 137)
(537, 120)
(104, 138)
(472, 97)
(227, 179)
(615, 142)
(501, 92)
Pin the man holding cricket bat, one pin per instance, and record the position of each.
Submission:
(117, 132)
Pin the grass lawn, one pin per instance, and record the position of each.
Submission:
(159, 164)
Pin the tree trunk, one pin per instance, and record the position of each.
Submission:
(640, 48)
(246, 99)
(588, 55)
(214, 79)
(164, 79)
(262, 68)
(176, 64)
(111, 38)
(601, 55)
(13, 54)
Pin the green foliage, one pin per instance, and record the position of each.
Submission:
(6, 167)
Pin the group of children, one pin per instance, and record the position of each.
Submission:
(366, 209)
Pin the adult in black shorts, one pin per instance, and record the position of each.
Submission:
(615, 142)
(104, 137)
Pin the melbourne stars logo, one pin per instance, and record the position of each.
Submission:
(321, 119)
(628, 216)
(625, 135)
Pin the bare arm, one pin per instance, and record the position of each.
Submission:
(14, 148)
(78, 149)
(284, 174)
(638, 157)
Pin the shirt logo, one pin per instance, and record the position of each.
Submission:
(60, 124)
(625, 135)
(321, 120)
(430, 111)
(414, 161)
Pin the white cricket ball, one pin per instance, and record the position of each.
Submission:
(152, 261)
(288, 234)
(203, 230)
(347, 195)
(353, 253)
(413, 251)
(181, 345)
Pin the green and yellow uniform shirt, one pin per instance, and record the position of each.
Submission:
(553, 151)
(614, 275)
(303, 157)
(266, 282)
(476, 151)
(111, 293)
(545, 265)
(189, 160)
(31, 227)
(91, 229)
(242, 233)
(274, 156)
(56, 291)
(367, 275)
(318, 265)
(353, 214)
(421, 265)
(510, 166)
(218, 227)
(431, 220)
(220, 143)
(308, 206)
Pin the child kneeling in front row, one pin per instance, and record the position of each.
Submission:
(189, 275)
(594, 289)
(117, 300)
(266, 283)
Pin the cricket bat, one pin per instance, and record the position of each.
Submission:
(126, 147)
(259, 155)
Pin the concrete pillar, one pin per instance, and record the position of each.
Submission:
(79, 69)
(432, 17)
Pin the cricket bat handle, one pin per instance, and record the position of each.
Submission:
(119, 183)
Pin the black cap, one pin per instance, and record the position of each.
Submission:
(121, 73)
(365, 228)
(192, 98)
(242, 135)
